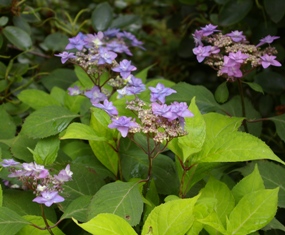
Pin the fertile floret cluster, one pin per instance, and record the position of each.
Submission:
(231, 54)
(35, 177)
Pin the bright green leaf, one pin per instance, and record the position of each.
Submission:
(18, 37)
(82, 132)
(234, 11)
(47, 121)
(83, 77)
(102, 16)
(37, 98)
(1, 196)
(254, 211)
(120, 198)
(224, 143)
(225, 199)
(46, 150)
(113, 225)
(38, 220)
(222, 93)
(143, 74)
(10, 221)
(248, 184)
(174, 217)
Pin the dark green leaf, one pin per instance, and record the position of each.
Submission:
(102, 16)
(254, 86)
(275, 9)
(60, 39)
(61, 78)
(119, 198)
(10, 221)
(271, 82)
(18, 37)
(124, 21)
(222, 93)
(47, 121)
(7, 126)
(234, 11)
(3, 20)
(279, 122)
(20, 22)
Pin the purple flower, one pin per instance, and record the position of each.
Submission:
(108, 107)
(33, 169)
(209, 29)
(134, 41)
(231, 68)
(64, 175)
(160, 92)
(116, 46)
(76, 42)
(180, 109)
(123, 124)
(237, 36)
(238, 57)
(106, 56)
(74, 91)
(268, 60)
(162, 110)
(214, 50)
(48, 198)
(65, 56)
(135, 86)
(124, 68)
(9, 163)
(268, 39)
(94, 40)
(111, 32)
(95, 95)
(202, 52)
(198, 35)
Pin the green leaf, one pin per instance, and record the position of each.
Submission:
(222, 93)
(46, 150)
(143, 74)
(83, 77)
(47, 121)
(113, 225)
(194, 140)
(3, 20)
(102, 16)
(60, 39)
(248, 184)
(225, 199)
(78, 209)
(38, 220)
(21, 23)
(152, 197)
(18, 37)
(254, 211)
(204, 98)
(61, 78)
(279, 122)
(20, 145)
(74, 103)
(10, 221)
(37, 98)
(123, 21)
(7, 126)
(254, 86)
(266, 168)
(82, 132)
(174, 217)
(21, 201)
(120, 198)
(1, 196)
(275, 9)
(274, 224)
(85, 181)
(224, 143)
(234, 108)
(234, 11)
(271, 82)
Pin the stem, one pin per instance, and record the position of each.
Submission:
(45, 220)
(242, 104)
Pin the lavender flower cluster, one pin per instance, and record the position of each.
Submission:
(230, 54)
(38, 179)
